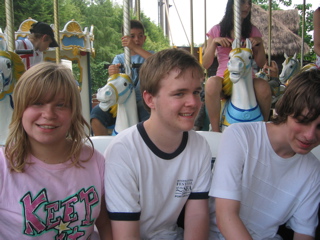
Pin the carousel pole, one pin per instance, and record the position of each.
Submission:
(269, 32)
(137, 5)
(10, 25)
(205, 30)
(126, 32)
(237, 21)
(191, 24)
(56, 28)
(168, 28)
(302, 31)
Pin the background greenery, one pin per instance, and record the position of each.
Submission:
(276, 5)
(107, 20)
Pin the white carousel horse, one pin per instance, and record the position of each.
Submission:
(11, 68)
(242, 106)
(119, 90)
(290, 67)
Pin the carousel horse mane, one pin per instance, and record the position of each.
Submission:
(242, 106)
(11, 68)
(227, 84)
(119, 91)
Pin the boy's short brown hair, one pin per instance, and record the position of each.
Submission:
(157, 66)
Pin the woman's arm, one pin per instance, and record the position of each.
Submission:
(210, 50)
(258, 51)
(209, 53)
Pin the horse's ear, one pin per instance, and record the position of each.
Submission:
(3, 45)
(285, 55)
(295, 56)
(236, 43)
(248, 43)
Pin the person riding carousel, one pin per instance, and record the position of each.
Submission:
(220, 40)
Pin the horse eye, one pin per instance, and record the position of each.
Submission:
(8, 65)
(125, 84)
(108, 93)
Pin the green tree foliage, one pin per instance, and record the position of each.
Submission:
(276, 5)
(308, 38)
(106, 17)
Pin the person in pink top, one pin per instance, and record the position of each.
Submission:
(51, 178)
(220, 38)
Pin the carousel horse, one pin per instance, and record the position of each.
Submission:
(11, 68)
(119, 91)
(242, 106)
(290, 67)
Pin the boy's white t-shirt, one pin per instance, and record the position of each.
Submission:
(145, 184)
(29, 60)
(272, 190)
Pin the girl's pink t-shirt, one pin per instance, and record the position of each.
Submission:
(223, 52)
(51, 201)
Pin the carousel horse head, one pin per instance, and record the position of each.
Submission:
(242, 105)
(290, 67)
(117, 91)
(11, 68)
(119, 94)
(240, 63)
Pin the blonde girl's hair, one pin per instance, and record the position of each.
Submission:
(45, 80)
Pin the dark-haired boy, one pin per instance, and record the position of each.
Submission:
(265, 174)
(41, 37)
(102, 123)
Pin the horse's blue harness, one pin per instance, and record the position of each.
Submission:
(130, 88)
(294, 69)
(234, 114)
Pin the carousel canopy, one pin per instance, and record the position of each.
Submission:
(284, 33)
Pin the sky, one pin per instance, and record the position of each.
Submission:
(181, 32)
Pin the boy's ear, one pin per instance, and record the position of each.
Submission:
(46, 38)
(148, 99)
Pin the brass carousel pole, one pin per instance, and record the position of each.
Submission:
(269, 32)
(10, 25)
(302, 31)
(56, 29)
(126, 31)
(191, 24)
(237, 21)
(137, 4)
